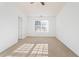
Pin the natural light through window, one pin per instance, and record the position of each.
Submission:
(32, 50)
(41, 25)
(25, 48)
(40, 50)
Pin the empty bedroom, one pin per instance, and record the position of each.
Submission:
(39, 29)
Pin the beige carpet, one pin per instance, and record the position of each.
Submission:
(31, 50)
(39, 47)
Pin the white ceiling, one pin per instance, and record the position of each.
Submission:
(50, 8)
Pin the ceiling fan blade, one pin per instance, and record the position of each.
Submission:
(42, 3)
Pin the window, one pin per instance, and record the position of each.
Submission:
(41, 26)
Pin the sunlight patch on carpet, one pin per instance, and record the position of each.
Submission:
(31, 50)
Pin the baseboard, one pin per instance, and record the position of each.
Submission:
(67, 47)
(42, 36)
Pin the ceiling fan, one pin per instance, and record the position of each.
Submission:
(42, 3)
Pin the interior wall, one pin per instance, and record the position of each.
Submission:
(67, 26)
(8, 27)
(51, 26)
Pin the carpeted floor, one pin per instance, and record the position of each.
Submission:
(39, 47)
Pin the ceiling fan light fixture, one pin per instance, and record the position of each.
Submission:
(42, 3)
(31, 2)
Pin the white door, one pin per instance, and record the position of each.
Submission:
(19, 27)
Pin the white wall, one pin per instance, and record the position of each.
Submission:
(8, 27)
(67, 26)
(51, 20)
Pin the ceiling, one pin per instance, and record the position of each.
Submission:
(49, 9)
